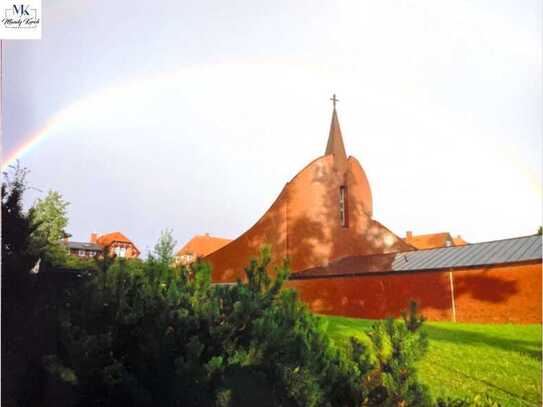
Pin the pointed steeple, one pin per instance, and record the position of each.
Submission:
(335, 144)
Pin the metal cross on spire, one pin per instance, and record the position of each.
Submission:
(334, 100)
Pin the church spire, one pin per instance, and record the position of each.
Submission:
(335, 140)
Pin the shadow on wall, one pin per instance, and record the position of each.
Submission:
(484, 287)
(378, 295)
(306, 241)
(315, 233)
(480, 296)
(304, 225)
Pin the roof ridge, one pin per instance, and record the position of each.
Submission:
(476, 243)
(433, 234)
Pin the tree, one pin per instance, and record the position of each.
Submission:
(20, 252)
(50, 215)
(50, 220)
(146, 334)
(164, 249)
(395, 347)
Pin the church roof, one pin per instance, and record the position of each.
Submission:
(335, 140)
(335, 144)
(498, 252)
(202, 245)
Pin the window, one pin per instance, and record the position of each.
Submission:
(343, 206)
(82, 253)
(120, 251)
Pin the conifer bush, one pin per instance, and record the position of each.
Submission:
(395, 347)
(147, 334)
(144, 333)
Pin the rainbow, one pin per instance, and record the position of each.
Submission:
(86, 107)
(76, 111)
(33, 140)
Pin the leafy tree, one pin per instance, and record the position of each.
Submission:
(164, 249)
(50, 215)
(50, 219)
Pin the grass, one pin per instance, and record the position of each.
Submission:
(502, 360)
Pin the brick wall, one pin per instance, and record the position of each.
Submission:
(498, 294)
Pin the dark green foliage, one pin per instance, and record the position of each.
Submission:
(78, 263)
(394, 347)
(148, 334)
(26, 301)
(20, 251)
(18, 257)
(144, 333)
(414, 319)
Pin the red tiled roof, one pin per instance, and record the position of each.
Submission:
(429, 241)
(458, 241)
(202, 245)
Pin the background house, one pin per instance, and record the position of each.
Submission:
(115, 243)
(199, 246)
(433, 240)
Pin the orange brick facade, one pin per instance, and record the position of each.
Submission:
(325, 214)
(496, 294)
(303, 224)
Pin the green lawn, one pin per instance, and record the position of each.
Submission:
(503, 360)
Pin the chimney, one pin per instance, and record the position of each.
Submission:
(93, 237)
(408, 235)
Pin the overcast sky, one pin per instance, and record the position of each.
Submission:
(192, 115)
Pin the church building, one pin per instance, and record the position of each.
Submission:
(324, 213)
(345, 262)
